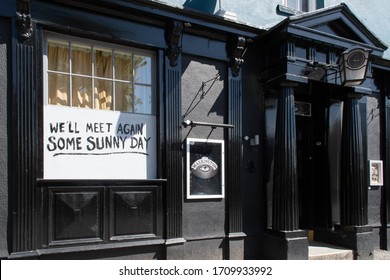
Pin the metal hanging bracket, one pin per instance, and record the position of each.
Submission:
(213, 125)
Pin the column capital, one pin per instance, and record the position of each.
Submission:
(173, 37)
(23, 20)
(237, 48)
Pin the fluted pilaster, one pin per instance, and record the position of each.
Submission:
(234, 150)
(285, 214)
(174, 190)
(25, 149)
(353, 196)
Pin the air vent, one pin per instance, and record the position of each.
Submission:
(302, 109)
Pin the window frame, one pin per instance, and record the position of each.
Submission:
(97, 44)
(152, 171)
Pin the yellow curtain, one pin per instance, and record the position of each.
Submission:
(103, 88)
(81, 86)
(86, 91)
(123, 88)
(58, 60)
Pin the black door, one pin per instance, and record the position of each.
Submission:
(313, 167)
(305, 172)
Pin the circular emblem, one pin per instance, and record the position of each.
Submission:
(356, 60)
(204, 168)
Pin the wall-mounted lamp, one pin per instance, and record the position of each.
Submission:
(353, 66)
(255, 141)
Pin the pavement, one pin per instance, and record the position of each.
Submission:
(322, 251)
(381, 255)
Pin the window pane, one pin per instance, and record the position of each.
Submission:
(143, 99)
(142, 69)
(88, 76)
(123, 97)
(103, 63)
(311, 5)
(305, 6)
(81, 92)
(81, 60)
(58, 56)
(58, 89)
(103, 95)
(123, 66)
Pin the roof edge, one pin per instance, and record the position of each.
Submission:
(342, 8)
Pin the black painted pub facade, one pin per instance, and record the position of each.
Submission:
(137, 130)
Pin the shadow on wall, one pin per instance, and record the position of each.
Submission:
(207, 6)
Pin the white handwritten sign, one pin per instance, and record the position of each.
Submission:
(96, 144)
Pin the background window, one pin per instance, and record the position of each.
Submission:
(303, 5)
(92, 76)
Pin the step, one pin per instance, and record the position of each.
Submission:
(322, 251)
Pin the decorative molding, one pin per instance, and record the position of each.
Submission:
(175, 241)
(174, 36)
(236, 235)
(237, 55)
(302, 109)
(288, 51)
(332, 58)
(312, 55)
(75, 216)
(23, 19)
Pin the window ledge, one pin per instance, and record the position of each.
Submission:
(98, 182)
(288, 11)
(85, 248)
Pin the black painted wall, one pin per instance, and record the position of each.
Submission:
(204, 219)
(205, 62)
(5, 47)
(203, 68)
(373, 153)
(253, 190)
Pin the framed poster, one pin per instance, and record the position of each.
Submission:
(205, 168)
(376, 173)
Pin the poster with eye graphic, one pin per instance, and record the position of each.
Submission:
(205, 168)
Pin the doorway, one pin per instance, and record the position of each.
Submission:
(304, 171)
(313, 167)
